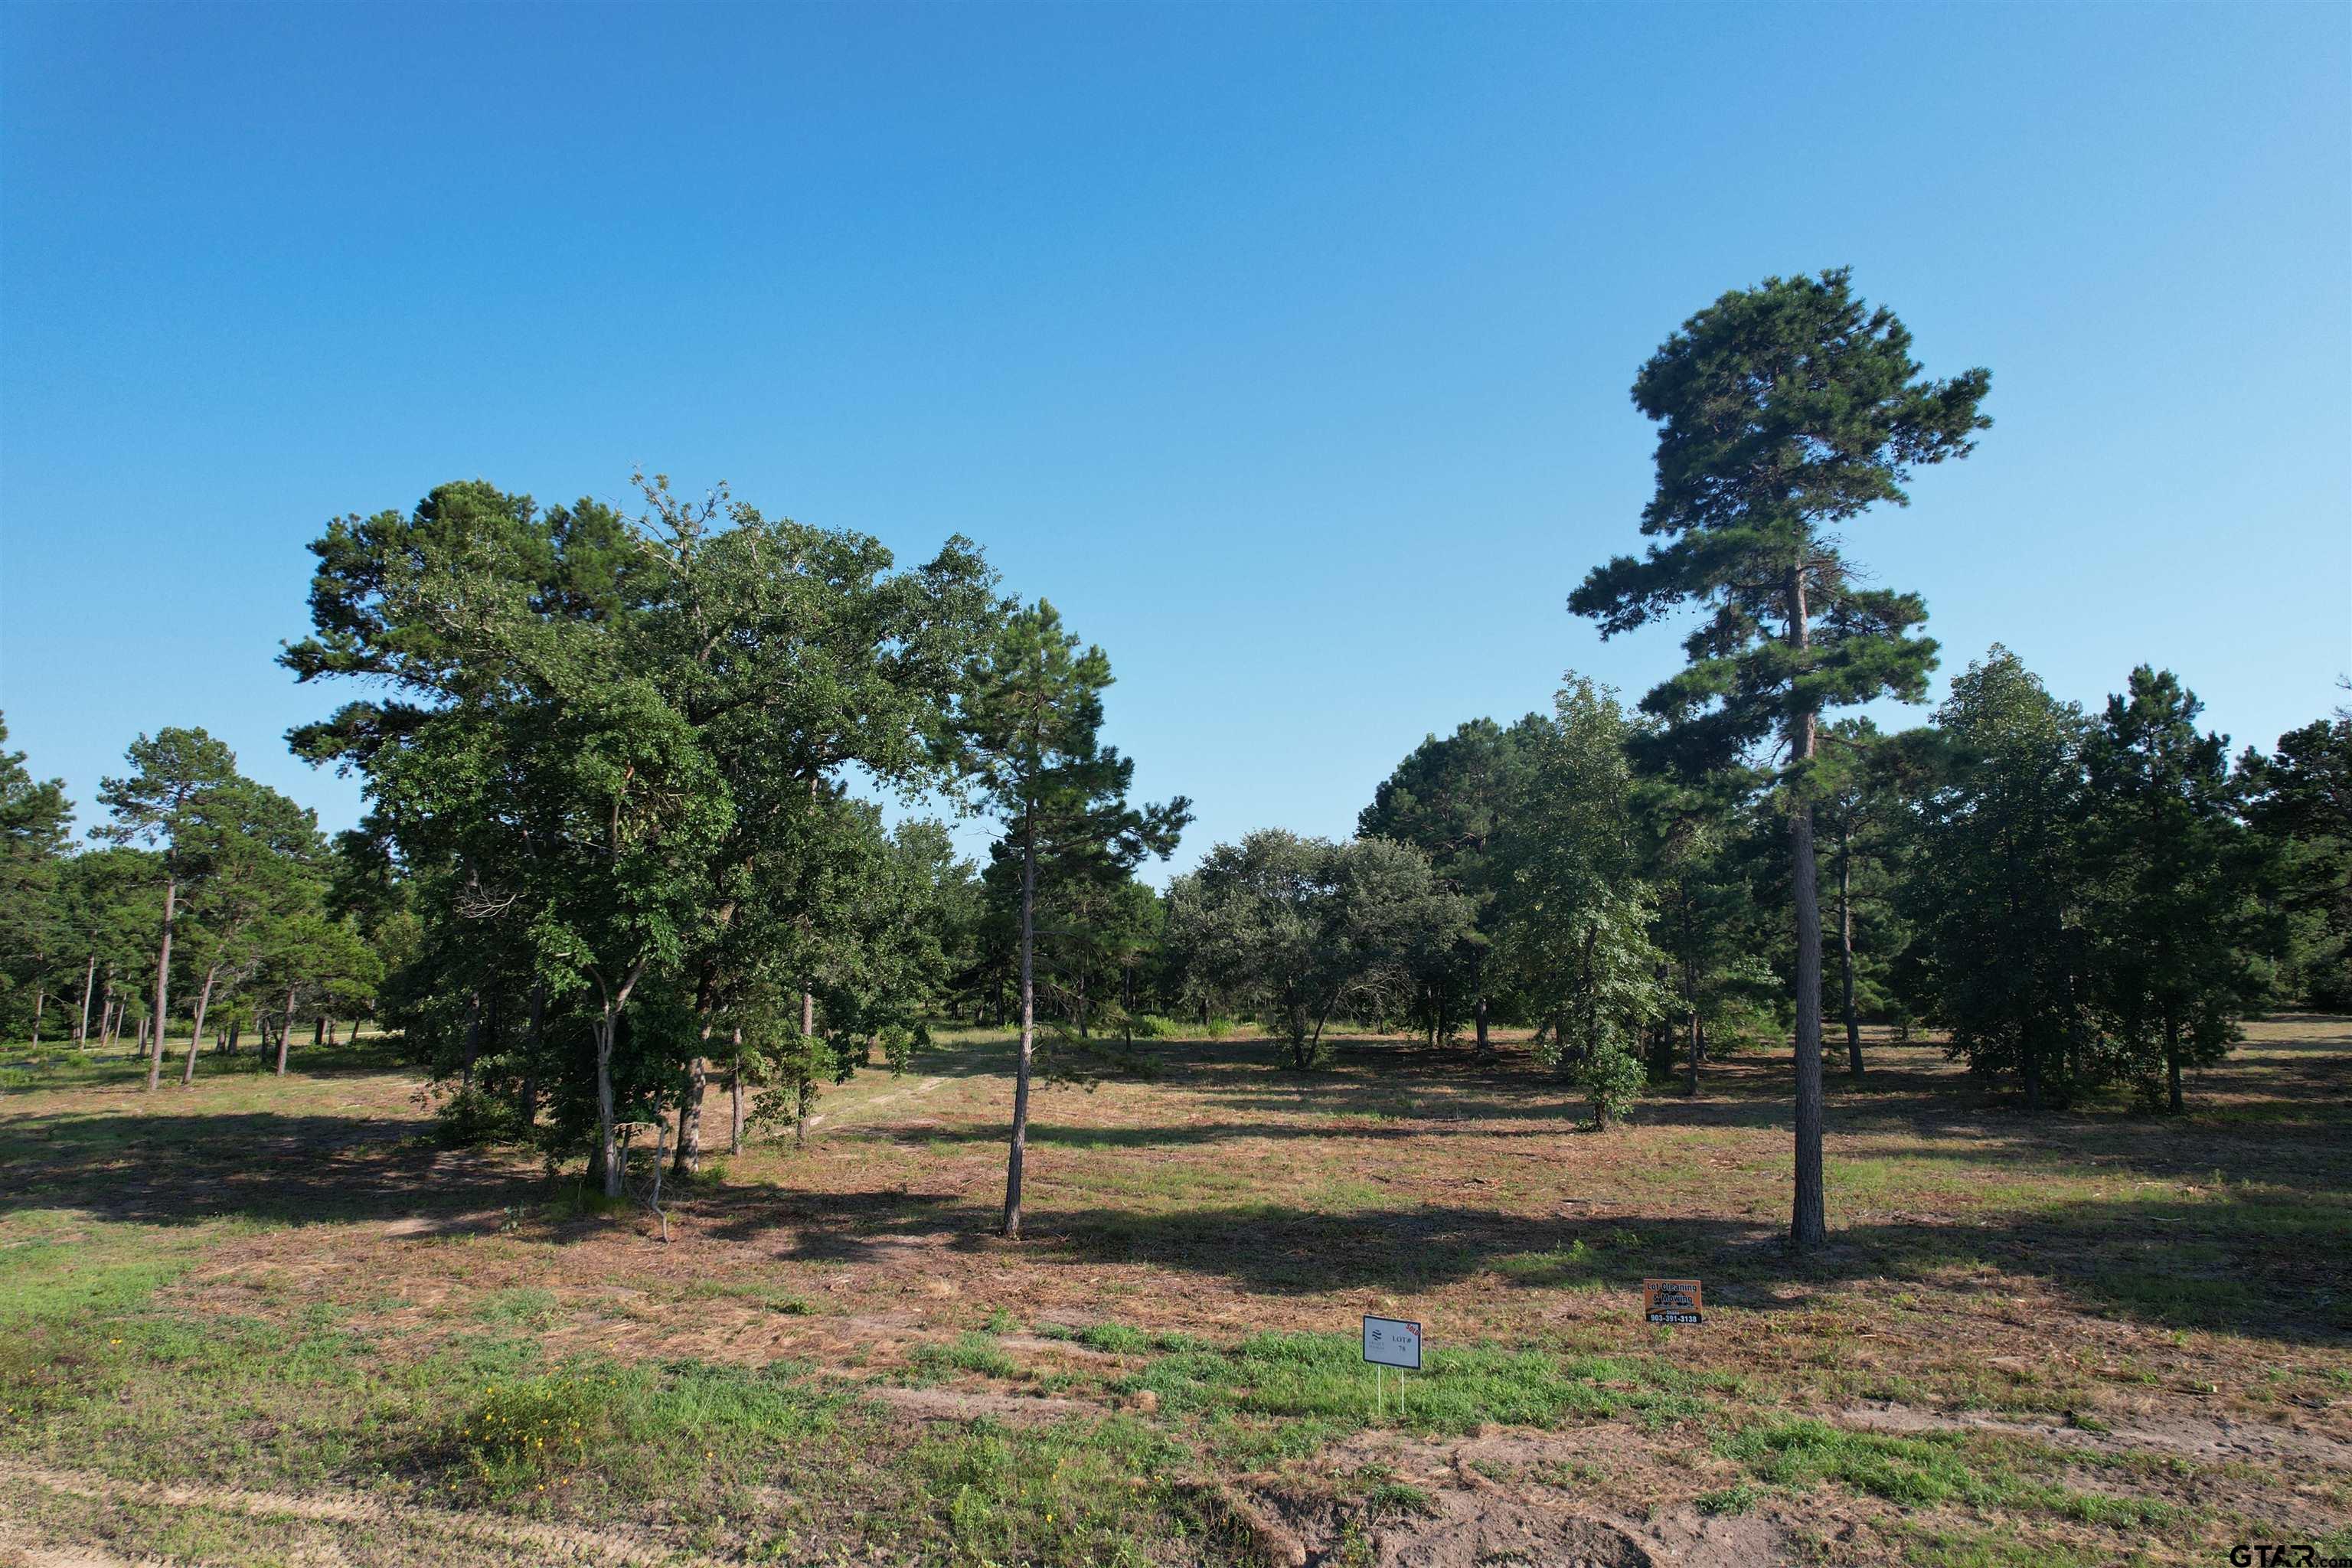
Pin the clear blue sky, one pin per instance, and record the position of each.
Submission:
(1284, 348)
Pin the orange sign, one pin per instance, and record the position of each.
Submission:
(1671, 1301)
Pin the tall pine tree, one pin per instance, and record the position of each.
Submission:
(1785, 411)
(1028, 734)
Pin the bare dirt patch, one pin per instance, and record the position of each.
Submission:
(433, 1533)
(2215, 1439)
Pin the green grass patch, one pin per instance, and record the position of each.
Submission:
(1923, 1471)
(1322, 1378)
(974, 1350)
(1070, 1496)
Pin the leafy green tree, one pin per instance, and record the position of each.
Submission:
(110, 903)
(1785, 411)
(612, 769)
(34, 822)
(538, 765)
(2180, 941)
(1572, 932)
(318, 958)
(1296, 928)
(1863, 816)
(804, 655)
(1707, 922)
(2300, 799)
(257, 865)
(1997, 886)
(1449, 798)
(162, 801)
(1027, 734)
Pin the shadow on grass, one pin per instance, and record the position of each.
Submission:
(2259, 1253)
(2263, 1268)
(183, 1169)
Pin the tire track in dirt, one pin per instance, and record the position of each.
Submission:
(495, 1535)
(2212, 1438)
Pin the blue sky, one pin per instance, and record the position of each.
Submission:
(1285, 348)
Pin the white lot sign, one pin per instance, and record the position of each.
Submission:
(1392, 1342)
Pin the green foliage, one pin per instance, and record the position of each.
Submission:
(2300, 800)
(537, 1427)
(974, 1351)
(1918, 1472)
(610, 770)
(2180, 937)
(1026, 732)
(1450, 799)
(1296, 929)
(1572, 939)
(35, 819)
(1784, 412)
(1068, 1495)
(2087, 905)
(1611, 1077)
(1322, 1379)
(1996, 885)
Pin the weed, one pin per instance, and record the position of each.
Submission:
(523, 1432)
(974, 1351)
(1732, 1499)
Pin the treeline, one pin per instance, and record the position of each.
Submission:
(214, 905)
(2074, 900)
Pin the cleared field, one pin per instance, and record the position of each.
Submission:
(269, 1321)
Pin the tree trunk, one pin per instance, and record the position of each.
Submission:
(473, 1048)
(1809, 1215)
(162, 987)
(38, 995)
(285, 1031)
(2172, 1063)
(1483, 1045)
(1845, 955)
(1690, 1006)
(530, 1072)
(319, 1031)
(88, 977)
(197, 1032)
(608, 1151)
(1028, 1026)
(735, 1097)
(689, 1159)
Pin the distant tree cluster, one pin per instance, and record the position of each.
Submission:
(216, 904)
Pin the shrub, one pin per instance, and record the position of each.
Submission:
(472, 1117)
(1611, 1077)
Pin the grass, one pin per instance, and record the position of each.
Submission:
(286, 1285)
(1924, 1471)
